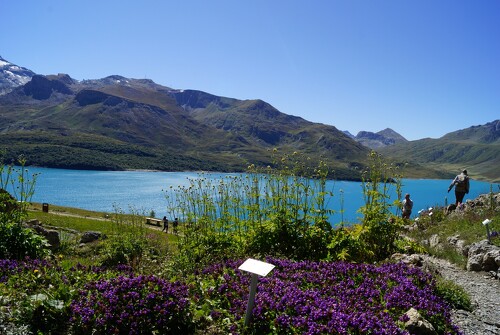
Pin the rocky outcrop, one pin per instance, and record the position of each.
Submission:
(483, 256)
(52, 236)
(484, 201)
(41, 87)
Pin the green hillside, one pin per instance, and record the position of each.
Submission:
(118, 123)
(476, 148)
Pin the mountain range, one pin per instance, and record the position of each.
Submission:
(377, 140)
(117, 123)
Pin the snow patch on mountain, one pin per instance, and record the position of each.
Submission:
(12, 76)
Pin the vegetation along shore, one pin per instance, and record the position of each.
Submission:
(70, 271)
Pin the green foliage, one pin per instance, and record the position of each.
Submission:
(22, 186)
(409, 246)
(17, 242)
(44, 314)
(123, 249)
(37, 294)
(378, 236)
(347, 245)
(280, 210)
(454, 294)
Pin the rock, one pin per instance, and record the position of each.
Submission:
(459, 245)
(483, 290)
(33, 222)
(483, 256)
(91, 236)
(417, 325)
(414, 259)
(450, 208)
(434, 241)
(53, 238)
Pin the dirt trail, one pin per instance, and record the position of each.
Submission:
(484, 290)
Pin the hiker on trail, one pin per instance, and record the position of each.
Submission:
(407, 206)
(176, 224)
(461, 183)
(165, 224)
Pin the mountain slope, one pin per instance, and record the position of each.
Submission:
(476, 148)
(12, 76)
(122, 123)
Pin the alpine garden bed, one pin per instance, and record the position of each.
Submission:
(303, 297)
(321, 298)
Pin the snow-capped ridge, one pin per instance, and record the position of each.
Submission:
(12, 76)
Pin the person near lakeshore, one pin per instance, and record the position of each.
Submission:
(175, 225)
(407, 206)
(165, 224)
(462, 185)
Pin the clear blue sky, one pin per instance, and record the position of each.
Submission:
(421, 67)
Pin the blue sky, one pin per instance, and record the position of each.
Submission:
(421, 67)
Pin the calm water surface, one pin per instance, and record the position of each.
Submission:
(144, 191)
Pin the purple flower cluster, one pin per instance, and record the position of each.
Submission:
(331, 297)
(132, 305)
(9, 267)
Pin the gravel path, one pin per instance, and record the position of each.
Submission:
(485, 295)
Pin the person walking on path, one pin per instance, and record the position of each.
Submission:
(165, 224)
(407, 206)
(462, 185)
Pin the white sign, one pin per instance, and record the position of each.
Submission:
(255, 266)
(487, 221)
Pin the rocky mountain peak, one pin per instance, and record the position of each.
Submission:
(12, 76)
(42, 87)
(377, 140)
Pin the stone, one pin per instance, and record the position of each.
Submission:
(434, 241)
(91, 236)
(414, 259)
(450, 208)
(53, 238)
(459, 245)
(483, 256)
(417, 325)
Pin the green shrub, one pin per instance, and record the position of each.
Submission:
(378, 236)
(279, 210)
(454, 294)
(17, 242)
(126, 249)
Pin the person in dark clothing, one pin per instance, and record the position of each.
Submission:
(176, 224)
(165, 224)
(462, 186)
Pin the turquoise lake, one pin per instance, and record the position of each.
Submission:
(144, 191)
